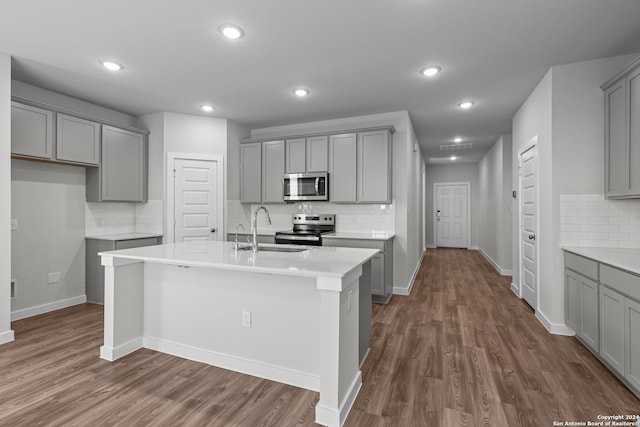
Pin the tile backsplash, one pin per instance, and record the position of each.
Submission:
(589, 220)
(349, 218)
(115, 218)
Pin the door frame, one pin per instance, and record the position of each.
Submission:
(531, 144)
(435, 205)
(170, 191)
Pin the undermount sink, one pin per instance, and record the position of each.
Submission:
(279, 249)
(274, 249)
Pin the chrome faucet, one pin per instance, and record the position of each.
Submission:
(236, 245)
(254, 244)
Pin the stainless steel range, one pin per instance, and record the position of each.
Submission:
(307, 229)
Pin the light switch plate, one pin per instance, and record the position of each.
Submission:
(14, 224)
(53, 278)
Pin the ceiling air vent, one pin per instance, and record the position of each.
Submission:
(455, 147)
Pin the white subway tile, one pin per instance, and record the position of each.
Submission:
(608, 244)
(608, 228)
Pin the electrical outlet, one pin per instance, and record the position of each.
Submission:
(14, 224)
(349, 298)
(53, 277)
(246, 319)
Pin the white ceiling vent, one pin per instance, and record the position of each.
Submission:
(456, 147)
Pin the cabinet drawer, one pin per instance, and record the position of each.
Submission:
(354, 243)
(136, 243)
(626, 283)
(582, 265)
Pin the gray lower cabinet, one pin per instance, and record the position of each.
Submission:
(612, 328)
(272, 171)
(94, 271)
(632, 340)
(381, 263)
(31, 131)
(77, 140)
(603, 308)
(582, 308)
(251, 172)
(122, 175)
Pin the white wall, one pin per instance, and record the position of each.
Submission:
(565, 111)
(6, 334)
(460, 172)
(494, 204)
(407, 206)
(48, 202)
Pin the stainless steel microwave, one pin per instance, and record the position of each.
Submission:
(306, 186)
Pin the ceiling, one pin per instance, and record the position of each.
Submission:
(355, 56)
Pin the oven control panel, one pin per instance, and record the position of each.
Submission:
(314, 219)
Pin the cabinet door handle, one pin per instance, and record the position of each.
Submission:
(532, 237)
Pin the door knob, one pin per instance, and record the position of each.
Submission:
(213, 230)
(532, 237)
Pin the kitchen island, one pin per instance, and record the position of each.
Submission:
(291, 317)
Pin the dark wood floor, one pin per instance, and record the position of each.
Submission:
(462, 350)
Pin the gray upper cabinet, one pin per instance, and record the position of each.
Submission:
(272, 171)
(31, 131)
(317, 153)
(122, 176)
(77, 140)
(295, 156)
(622, 133)
(374, 166)
(342, 170)
(251, 173)
(307, 154)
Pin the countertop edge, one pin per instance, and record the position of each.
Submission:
(122, 236)
(609, 256)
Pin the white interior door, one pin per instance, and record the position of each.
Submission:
(452, 216)
(528, 227)
(196, 210)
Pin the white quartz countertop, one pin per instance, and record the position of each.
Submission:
(625, 259)
(122, 236)
(314, 261)
(360, 235)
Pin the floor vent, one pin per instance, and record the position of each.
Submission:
(13, 288)
(456, 147)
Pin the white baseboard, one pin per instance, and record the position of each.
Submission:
(554, 328)
(111, 354)
(406, 290)
(473, 248)
(6, 337)
(45, 308)
(331, 417)
(495, 265)
(234, 363)
(515, 290)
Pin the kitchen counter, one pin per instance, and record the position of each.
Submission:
(123, 236)
(625, 259)
(291, 317)
(361, 235)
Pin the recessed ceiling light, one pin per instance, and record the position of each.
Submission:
(458, 139)
(301, 92)
(231, 31)
(430, 71)
(453, 157)
(466, 104)
(112, 66)
(207, 108)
